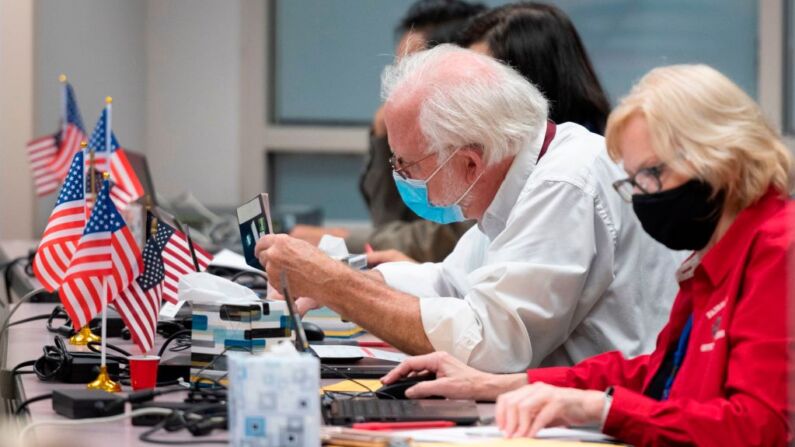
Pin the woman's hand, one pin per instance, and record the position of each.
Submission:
(454, 379)
(532, 407)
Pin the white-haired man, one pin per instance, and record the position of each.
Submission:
(557, 268)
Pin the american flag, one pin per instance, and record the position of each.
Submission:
(139, 304)
(179, 262)
(113, 159)
(49, 156)
(107, 260)
(64, 228)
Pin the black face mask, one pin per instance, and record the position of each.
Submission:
(682, 218)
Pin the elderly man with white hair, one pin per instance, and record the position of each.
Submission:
(557, 269)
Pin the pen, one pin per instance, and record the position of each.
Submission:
(378, 426)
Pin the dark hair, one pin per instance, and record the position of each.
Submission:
(442, 20)
(541, 43)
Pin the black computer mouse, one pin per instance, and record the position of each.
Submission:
(397, 390)
(312, 331)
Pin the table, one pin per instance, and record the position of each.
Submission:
(25, 341)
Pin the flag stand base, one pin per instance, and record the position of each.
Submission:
(103, 382)
(84, 337)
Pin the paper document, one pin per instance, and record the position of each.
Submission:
(479, 434)
(229, 259)
(355, 352)
(349, 386)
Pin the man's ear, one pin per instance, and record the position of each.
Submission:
(473, 158)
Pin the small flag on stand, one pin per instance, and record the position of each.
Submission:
(139, 304)
(178, 262)
(110, 157)
(107, 259)
(64, 228)
(49, 156)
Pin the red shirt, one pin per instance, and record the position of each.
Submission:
(732, 386)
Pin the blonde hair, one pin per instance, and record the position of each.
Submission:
(704, 126)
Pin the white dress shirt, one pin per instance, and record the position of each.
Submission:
(557, 270)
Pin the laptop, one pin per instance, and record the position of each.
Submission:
(350, 410)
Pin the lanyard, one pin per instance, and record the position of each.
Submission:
(679, 356)
(548, 136)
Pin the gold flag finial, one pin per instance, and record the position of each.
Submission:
(83, 144)
(108, 100)
(62, 78)
(105, 175)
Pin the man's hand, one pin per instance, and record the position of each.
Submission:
(527, 410)
(313, 234)
(454, 379)
(307, 268)
(375, 258)
(303, 304)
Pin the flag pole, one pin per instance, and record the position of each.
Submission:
(84, 335)
(64, 106)
(103, 381)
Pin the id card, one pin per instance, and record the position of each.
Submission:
(254, 220)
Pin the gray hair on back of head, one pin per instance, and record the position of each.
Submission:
(468, 99)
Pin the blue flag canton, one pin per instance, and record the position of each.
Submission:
(97, 140)
(72, 188)
(104, 216)
(72, 112)
(154, 273)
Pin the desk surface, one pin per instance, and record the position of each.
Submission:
(25, 342)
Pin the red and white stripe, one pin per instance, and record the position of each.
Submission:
(58, 244)
(128, 187)
(139, 310)
(41, 153)
(70, 144)
(178, 262)
(105, 256)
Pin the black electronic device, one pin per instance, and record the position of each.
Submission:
(313, 331)
(397, 389)
(350, 411)
(81, 403)
(254, 220)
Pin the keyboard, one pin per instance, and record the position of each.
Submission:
(349, 411)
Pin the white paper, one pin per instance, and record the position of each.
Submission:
(355, 352)
(333, 246)
(229, 259)
(169, 310)
(201, 287)
(478, 434)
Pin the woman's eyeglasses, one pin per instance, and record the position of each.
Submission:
(646, 180)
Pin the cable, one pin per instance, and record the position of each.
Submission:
(347, 377)
(7, 269)
(24, 404)
(29, 319)
(192, 426)
(17, 368)
(92, 346)
(27, 296)
(173, 336)
(135, 413)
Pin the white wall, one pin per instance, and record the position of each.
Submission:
(16, 117)
(193, 98)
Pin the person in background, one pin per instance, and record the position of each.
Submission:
(398, 233)
(541, 43)
(706, 173)
(557, 269)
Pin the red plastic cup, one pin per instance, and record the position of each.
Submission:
(143, 371)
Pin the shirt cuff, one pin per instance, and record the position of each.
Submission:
(451, 326)
(626, 409)
(556, 375)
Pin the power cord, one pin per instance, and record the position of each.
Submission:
(24, 404)
(172, 337)
(68, 422)
(347, 377)
(14, 309)
(7, 270)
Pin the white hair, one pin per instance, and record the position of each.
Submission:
(468, 99)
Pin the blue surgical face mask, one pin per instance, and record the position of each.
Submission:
(415, 195)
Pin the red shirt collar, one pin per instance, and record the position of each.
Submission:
(720, 259)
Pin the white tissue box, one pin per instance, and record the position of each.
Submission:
(273, 400)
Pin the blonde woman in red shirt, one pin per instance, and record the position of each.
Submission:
(707, 174)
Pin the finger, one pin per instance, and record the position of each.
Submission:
(274, 294)
(507, 411)
(304, 305)
(264, 243)
(440, 387)
(423, 362)
(548, 414)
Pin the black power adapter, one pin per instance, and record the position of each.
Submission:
(82, 403)
(86, 369)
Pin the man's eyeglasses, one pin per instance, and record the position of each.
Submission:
(646, 180)
(400, 166)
